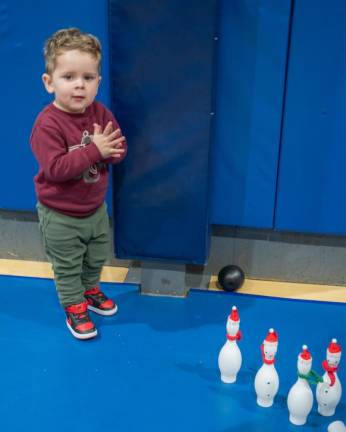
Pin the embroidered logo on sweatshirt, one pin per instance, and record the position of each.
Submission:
(92, 174)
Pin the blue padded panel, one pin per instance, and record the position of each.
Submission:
(161, 77)
(311, 192)
(24, 26)
(250, 87)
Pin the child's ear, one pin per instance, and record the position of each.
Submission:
(47, 81)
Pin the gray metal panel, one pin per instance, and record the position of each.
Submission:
(163, 278)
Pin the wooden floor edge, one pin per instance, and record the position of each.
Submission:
(293, 290)
(317, 292)
(41, 269)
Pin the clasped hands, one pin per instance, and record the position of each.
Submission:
(110, 143)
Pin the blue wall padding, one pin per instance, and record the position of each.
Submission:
(24, 26)
(252, 59)
(161, 78)
(162, 61)
(311, 192)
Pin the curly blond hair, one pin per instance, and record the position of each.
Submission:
(70, 39)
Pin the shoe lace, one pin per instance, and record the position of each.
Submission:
(95, 292)
(101, 296)
(81, 318)
(79, 312)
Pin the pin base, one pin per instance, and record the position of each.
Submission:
(265, 403)
(326, 411)
(229, 379)
(298, 421)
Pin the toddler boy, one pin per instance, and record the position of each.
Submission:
(74, 139)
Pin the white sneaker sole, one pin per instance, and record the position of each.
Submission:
(79, 335)
(102, 312)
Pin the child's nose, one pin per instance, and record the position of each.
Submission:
(79, 82)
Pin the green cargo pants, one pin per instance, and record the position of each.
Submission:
(77, 249)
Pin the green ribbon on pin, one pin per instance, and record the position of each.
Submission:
(312, 377)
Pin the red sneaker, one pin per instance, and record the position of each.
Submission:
(78, 321)
(99, 303)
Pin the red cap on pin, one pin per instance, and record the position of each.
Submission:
(272, 336)
(334, 347)
(305, 354)
(234, 316)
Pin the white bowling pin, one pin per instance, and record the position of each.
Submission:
(337, 426)
(300, 397)
(230, 358)
(267, 379)
(328, 393)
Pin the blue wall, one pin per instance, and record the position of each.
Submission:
(24, 26)
(279, 149)
(253, 40)
(311, 188)
(279, 141)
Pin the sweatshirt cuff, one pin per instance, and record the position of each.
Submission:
(93, 153)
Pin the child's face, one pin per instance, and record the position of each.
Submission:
(74, 81)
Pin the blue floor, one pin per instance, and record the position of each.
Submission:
(154, 365)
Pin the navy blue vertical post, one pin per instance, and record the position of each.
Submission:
(161, 56)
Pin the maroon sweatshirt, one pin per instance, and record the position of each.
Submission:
(72, 177)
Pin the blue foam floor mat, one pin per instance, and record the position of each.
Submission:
(153, 366)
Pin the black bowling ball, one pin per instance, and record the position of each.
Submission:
(231, 277)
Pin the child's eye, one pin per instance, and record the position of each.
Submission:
(89, 77)
(67, 77)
